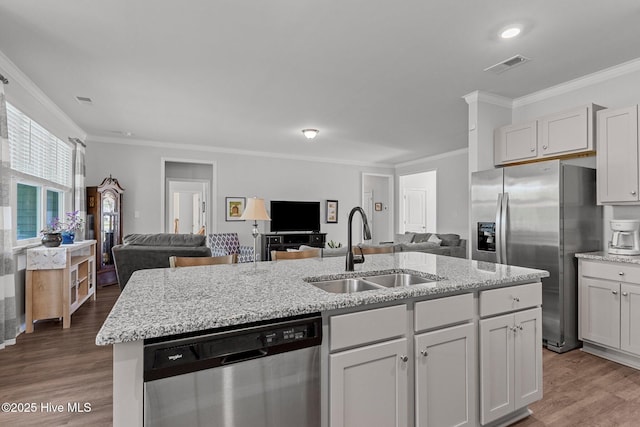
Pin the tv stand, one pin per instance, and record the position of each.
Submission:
(283, 241)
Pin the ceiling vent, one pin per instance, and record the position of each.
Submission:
(508, 64)
(84, 100)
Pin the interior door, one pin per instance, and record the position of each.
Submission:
(415, 210)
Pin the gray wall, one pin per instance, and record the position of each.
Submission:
(452, 189)
(139, 170)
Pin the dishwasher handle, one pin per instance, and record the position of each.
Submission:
(242, 356)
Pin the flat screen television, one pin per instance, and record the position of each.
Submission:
(295, 216)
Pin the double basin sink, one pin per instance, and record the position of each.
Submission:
(370, 283)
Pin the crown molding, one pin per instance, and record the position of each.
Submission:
(434, 158)
(234, 151)
(579, 83)
(14, 74)
(488, 98)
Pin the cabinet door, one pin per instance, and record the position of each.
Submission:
(368, 385)
(617, 156)
(515, 142)
(73, 288)
(564, 132)
(630, 318)
(445, 377)
(496, 367)
(528, 357)
(600, 311)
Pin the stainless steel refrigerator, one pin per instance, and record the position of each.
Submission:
(539, 215)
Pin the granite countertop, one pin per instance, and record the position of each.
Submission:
(162, 302)
(605, 256)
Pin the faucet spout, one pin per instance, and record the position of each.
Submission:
(351, 259)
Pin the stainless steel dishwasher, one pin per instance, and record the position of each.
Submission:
(263, 375)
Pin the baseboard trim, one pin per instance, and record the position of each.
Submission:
(612, 354)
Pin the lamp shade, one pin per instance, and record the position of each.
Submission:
(255, 210)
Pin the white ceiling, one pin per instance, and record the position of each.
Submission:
(382, 80)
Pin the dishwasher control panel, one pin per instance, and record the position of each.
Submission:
(163, 358)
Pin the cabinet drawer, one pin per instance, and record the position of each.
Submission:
(348, 330)
(617, 271)
(513, 298)
(443, 311)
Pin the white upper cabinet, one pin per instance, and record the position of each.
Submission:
(561, 134)
(617, 157)
(515, 143)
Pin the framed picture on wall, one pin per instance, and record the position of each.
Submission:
(332, 211)
(234, 208)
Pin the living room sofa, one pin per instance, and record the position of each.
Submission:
(143, 251)
(440, 244)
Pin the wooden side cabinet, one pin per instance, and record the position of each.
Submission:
(59, 280)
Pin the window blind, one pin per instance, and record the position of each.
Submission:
(37, 152)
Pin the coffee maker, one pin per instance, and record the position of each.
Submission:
(625, 239)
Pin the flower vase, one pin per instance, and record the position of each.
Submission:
(67, 237)
(51, 240)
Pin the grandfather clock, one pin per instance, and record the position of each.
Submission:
(104, 220)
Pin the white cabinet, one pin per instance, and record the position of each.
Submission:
(609, 310)
(600, 311)
(617, 157)
(630, 318)
(445, 377)
(510, 351)
(369, 385)
(513, 143)
(561, 134)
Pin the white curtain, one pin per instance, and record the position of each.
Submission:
(79, 187)
(8, 319)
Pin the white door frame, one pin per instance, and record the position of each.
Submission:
(212, 209)
(200, 186)
(391, 201)
(432, 194)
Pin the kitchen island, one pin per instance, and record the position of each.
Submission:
(164, 302)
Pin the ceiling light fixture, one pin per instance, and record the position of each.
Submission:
(310, 133)
(510, 32)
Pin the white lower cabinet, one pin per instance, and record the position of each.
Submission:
(609, 310)
(445, 377)
(510, 363)
(369, 385)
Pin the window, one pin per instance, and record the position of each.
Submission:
(43, 168)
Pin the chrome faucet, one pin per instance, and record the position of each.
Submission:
(351, 259)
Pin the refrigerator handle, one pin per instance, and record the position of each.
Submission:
(498, 230)
(503, 227)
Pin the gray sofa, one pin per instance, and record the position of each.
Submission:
(442, 244)
(143, 251)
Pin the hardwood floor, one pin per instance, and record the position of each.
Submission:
(59, 366)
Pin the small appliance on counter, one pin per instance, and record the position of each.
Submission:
(625, 239)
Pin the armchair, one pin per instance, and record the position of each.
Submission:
(222, 244)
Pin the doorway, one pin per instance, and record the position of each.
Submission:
(377, 202)
(188, 196)
(418, 204)
(187, 206)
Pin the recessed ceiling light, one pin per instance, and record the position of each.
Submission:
(310, 133)
(510, 32)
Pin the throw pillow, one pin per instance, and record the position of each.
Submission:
(434, 239)
(403, 238)
(450, 239)
(421, 237)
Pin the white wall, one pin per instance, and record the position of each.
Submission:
(452, 189)
(138, 169)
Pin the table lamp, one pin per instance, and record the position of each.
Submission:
(255, 210)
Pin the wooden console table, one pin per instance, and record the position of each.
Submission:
(59, 280)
